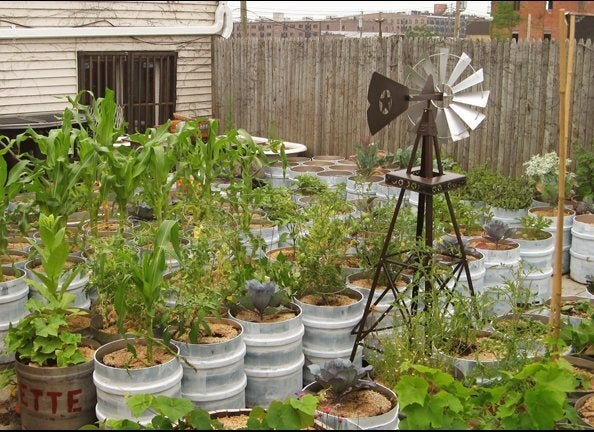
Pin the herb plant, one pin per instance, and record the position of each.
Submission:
(543, 173)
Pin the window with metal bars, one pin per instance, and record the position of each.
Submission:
(144, 83)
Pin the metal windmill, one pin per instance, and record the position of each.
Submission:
(440, 106)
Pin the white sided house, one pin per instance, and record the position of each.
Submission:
(155, 55)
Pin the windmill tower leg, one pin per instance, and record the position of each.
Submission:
(427, 181)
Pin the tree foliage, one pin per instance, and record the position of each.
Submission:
(504, 19)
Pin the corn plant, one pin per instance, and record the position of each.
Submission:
(104, 129)
(147, 281)
(11, 183)
(56, 175)
(156, 183)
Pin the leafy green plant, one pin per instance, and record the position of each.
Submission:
(367, 157)
(308, 185)
(11, 183)
(56, 175)
(98, 138)
(511, 193)
(340, 377)
(479, 184)
(533, 227)
(543, 174)
(320, 252)
(126, 166)
(584, 175)
(533, 398)
(147, 281)
(42, 337)
(293, 413)
(580, 337)
(156, 183)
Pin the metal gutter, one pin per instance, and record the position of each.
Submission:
(223, 25)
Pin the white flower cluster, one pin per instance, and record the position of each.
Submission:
(539, 167)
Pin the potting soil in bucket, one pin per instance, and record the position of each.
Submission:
(115, 384)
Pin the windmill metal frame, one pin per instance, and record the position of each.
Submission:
(428, 182)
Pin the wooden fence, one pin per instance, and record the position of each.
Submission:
(314, 92)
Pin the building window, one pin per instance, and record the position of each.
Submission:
(516, 5)
(549, 5)
(268, 34)
(547, 35)
(300, 26)
(315, 26)
(144, 83)
(515, 36)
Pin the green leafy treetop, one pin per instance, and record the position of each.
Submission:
(504, 19)
(42, 337)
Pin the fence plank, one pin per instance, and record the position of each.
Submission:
(314, 91)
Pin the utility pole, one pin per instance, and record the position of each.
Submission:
(380, 20)
(243, 9)
(457, 19)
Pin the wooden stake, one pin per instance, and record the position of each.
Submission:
(565, 74)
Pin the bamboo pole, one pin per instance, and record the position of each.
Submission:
(565, 74)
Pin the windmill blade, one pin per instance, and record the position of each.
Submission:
(469, 116)
(443, 64)
(456, 126)
(478, 99)
(427, 66)
(417, 81)
(415, 111)
(474, 79)
(441, 122)
(463, 62)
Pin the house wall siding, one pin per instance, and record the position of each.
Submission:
(36, 75)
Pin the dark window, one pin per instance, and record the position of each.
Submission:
(549, 5)
(515, 36)
(547, 36)
(517, 5)
(327, 26)
(144, 83)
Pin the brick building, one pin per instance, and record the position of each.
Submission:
(540, 19)
(363, 25)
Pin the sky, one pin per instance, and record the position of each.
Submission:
(321, 9)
